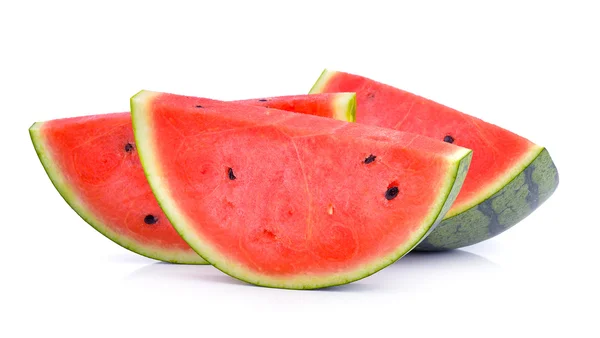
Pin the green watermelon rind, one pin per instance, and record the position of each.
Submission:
(145, 138)
(480, 220)
(319, 85)
(345, 107)
(508, 206)
(70, 196)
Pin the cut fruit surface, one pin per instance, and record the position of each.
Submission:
(489, 201)
(93, 162)
(340, 106)
(289, 200)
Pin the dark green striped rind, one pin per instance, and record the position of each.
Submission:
(507, 207)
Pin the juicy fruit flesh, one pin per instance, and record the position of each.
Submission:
(498, 154)
(303, 202)
(340, 106)
(98, 157)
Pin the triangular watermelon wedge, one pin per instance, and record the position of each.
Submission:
(93, 163)
(290, 200)
(509, 176)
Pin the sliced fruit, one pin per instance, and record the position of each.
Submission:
(93, 163)
(289, 200)
(509, 176)
(340, 106)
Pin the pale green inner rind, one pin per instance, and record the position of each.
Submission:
(63, 186)
(515, 201)
(461, 175)
(461, 161)
(344, 107)
(145, 136)
(499, 182)
(322, 81)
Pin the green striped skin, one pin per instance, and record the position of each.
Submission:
(519, 198)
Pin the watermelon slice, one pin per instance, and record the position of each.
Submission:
(509, 176)
(92, 161)
(289, 200)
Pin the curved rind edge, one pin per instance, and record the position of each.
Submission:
(461, 175)
(497, 184)
(321, 81)
(67, 193)
(351, 113)
(143, 134)
(508, 206)
(344, 107)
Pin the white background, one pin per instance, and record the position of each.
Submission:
(530, 67)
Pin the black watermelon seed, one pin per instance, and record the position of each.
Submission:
(150, 219)
(391, 193)
(230, 174)
(199, 106)
(371, 95)
(262, 100)
(370, 159)
(448, 139)
(129, 147)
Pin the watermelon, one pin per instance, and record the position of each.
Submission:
(92, 161)
(288, 200)
(509, 176)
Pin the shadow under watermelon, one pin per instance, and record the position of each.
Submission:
(417, 270)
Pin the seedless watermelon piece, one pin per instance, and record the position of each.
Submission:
(288, 200)
(509, 176)
(93, 162)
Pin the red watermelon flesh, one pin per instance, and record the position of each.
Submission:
(340, 106)
(94, 164)
(288, 200)
(499, 156)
